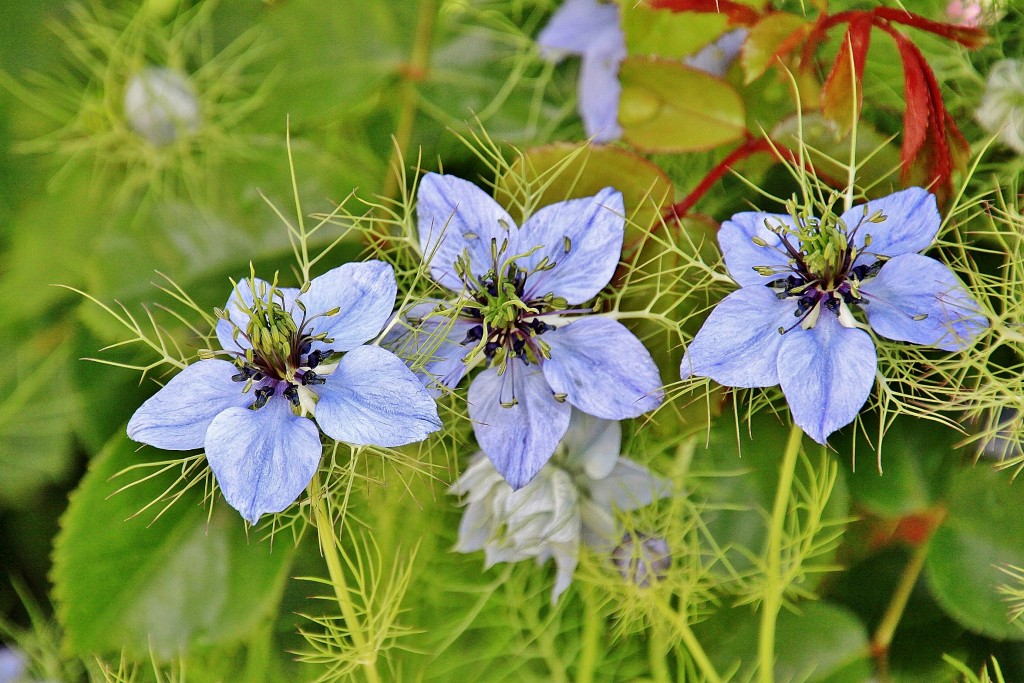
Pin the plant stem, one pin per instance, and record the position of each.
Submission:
(413, 72)
(329, 548)
(774, 586)
(897, 604)
(591, 638)
(693, 646)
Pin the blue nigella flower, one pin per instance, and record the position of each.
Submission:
(516, 287)
(792, 321)
(592, 29)
(290, 354)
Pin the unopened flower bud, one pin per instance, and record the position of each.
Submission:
(161, 105)
(639, 557)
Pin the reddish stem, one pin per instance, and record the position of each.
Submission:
(749, 147)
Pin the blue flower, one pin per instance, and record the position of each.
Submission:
(592, 29)
(515, 287)
(291, 354)
(792, 322)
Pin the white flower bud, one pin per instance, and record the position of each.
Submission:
(161, 105)
(1002, 107)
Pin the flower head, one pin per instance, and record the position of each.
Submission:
(802, 277)
(975, 13)
(290, 355)
(569, 503)
(1001, 111)
(640, 558)
(517, 310)
(592, 30)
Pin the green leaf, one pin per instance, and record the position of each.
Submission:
(666, 33)
(667, 106)
(823, 643)
(644, 186)
(769, 38)
(983, 531)
(917, 457)
(831, 153)
(164, 585)
(36, 413)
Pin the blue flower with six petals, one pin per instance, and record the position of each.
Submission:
(291, 354)
(791, 322)
(516, 286)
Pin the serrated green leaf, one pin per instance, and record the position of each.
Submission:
(666, 33)
(983, 530)
(667, 106)
(823, 643)
(157, 585)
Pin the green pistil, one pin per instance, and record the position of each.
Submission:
(504, 310)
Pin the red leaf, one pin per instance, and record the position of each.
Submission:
(737, 13)
(917, 115)
(965, 35)
(843, 82)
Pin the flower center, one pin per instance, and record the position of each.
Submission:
(508, 316)
(820, 272)
(280, 357)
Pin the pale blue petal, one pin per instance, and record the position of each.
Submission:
(736, 239)
(516, 419)
(628, 486)
(264, 458)
(911, 222)
(372, 398)
(13, 665)
(239, 302)
(433, 344)
(591, 444)
(582, 238)
(579, 27)
(826, 373)
(363, 292)
(602, 368)
(599, 94)
(176, 417)
(717, 57)
(913, 285)
(738, 345)
(455, 216)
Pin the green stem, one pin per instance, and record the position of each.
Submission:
(693, 646)
(656, 655)
(329, 548)
(591, 637)
(414, 71)
(774, 586)
(897, 605)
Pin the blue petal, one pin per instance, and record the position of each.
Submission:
(176, 417)
(716, 58)
(602, 368)
(372, 398)
(582, 238)
(826, 373)
(363, 292)
(599, 94)
(581, 26)
(911, 222)
(914, 285)
(516, 419)
(736, 239)
(239, 302)
(433, 344)
(455, 216)
(264, 458)
(738, 345)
